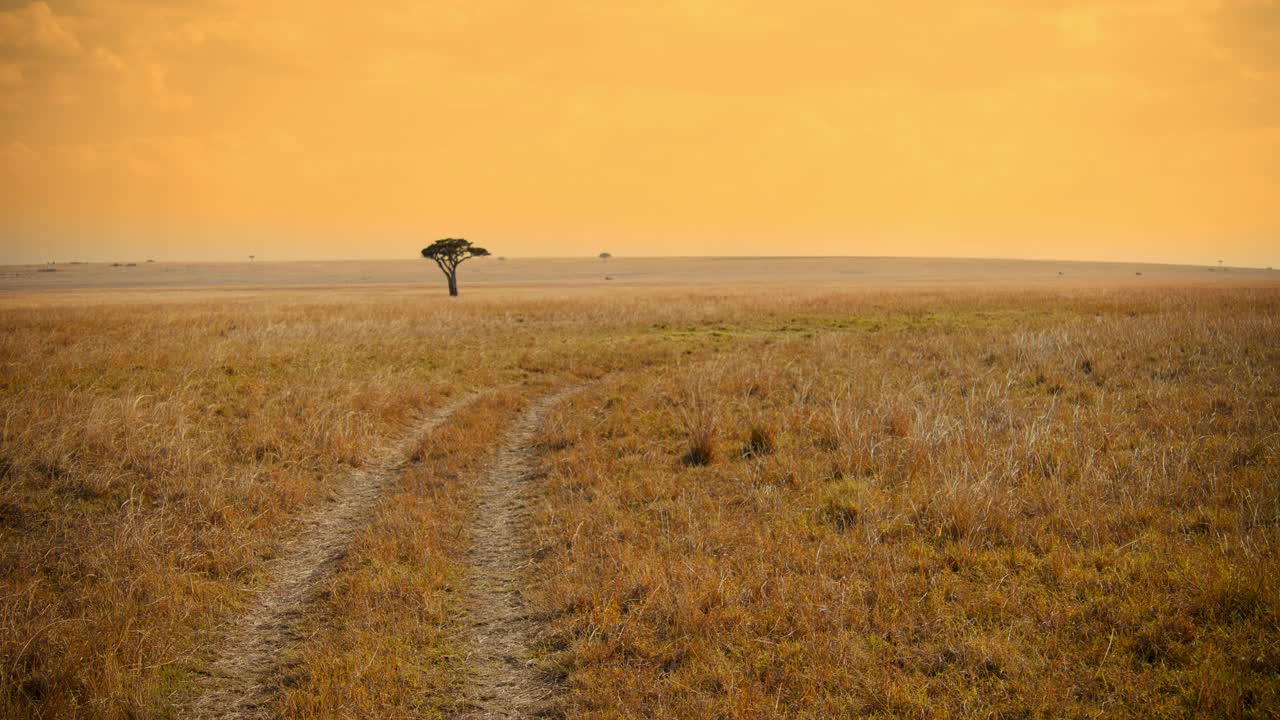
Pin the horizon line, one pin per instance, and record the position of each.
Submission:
(257, 260)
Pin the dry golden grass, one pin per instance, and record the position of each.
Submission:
(152, 457)
(962, 515)
(929, 503)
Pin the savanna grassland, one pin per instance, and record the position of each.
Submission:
(928, 503)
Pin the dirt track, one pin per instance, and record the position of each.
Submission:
(241, 682)
(503, 682)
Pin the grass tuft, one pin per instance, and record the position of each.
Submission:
(760, 442)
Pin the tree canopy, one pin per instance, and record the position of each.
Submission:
(448, 253)
(451, 251)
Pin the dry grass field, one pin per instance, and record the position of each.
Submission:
(821, 501)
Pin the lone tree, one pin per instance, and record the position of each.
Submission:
(605, 256)
(448, 254)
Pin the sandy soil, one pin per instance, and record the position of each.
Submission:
(490, 275)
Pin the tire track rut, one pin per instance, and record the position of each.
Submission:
(503, 681)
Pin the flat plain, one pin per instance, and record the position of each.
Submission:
(540, 276)
(809, 488)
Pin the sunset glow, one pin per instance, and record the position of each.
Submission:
(215, 129)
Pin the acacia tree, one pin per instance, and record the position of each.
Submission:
(605, 256)
(448, 254)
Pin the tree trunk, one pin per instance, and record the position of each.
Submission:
(453, 285)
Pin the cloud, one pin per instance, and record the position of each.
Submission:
(35, 29)
(1251, 28)
(698, 111)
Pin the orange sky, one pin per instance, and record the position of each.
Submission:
(213, 129)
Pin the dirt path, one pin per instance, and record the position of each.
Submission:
(241, 683)
(504, 682)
